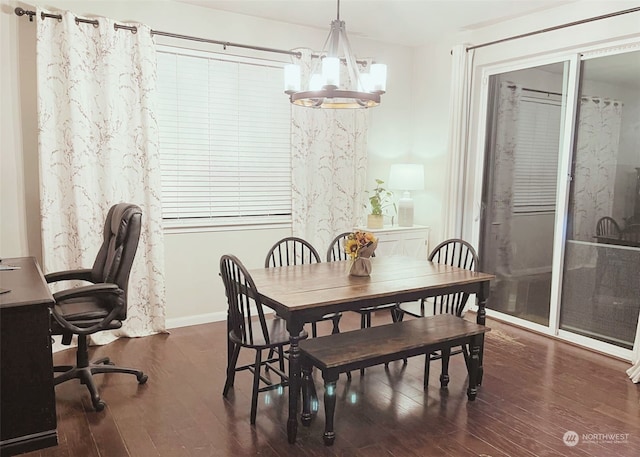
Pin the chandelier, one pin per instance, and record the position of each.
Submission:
(363, 90)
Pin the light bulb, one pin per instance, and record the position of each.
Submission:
(291, 78)
(331, 71)
(378, 77)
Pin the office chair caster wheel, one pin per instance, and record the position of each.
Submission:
(98, 405)
(142, 378)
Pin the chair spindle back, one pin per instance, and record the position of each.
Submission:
(291, 251)
(245, 306)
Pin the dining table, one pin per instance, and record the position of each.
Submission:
(303, 293)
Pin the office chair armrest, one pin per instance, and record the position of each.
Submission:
(93, 290)
(83, 274)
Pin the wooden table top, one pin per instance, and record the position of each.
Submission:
(393, 278)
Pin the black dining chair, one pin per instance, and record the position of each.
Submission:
(454, 252)
(607, 227)
(336, 252)
(249, 328)
(297, 251)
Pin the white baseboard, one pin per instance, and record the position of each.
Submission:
(207, 318)
(198, 319)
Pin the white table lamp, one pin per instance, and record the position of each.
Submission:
(406, 177)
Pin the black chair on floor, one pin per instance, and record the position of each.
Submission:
(296, 251)
(102, 305)
(454, 252)
(249, 328)
(336, 252)
(607, 227)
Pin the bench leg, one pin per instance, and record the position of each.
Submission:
(329, 406)
(444, 376)
(474, 367)
(308, 391)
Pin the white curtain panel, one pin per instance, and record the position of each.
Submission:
(506, 125)
(98, 146)
(329, 168)
(634, 371)
(596, 160)
(459, 111)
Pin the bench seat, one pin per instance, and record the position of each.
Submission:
(347, 351)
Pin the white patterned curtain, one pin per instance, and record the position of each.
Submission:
(595, 167)
(634, 371)
(501, 211)
(459, 112)
(329, 168)
(98, 146)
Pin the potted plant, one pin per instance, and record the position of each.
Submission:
(379, 199)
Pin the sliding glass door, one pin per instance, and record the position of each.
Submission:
(524, 128)
(560, 207)
(601, 271)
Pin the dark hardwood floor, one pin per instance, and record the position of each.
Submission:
(534, 390)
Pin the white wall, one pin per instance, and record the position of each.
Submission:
(194, 291)
(538, 47)
(410, 124)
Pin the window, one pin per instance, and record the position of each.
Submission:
(536, 154)
(224, 139)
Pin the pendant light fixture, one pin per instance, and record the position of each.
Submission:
(325, 90)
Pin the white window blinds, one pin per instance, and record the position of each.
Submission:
(224, 139)
(536, 155)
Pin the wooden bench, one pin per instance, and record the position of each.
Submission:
(344, 352)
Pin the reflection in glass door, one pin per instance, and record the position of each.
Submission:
(524, 128)
(601, 271)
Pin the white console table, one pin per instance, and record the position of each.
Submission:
(393, 240)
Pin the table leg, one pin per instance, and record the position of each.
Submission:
(481, 318)
(294, 329)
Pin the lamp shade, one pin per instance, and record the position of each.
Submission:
(357, 90)
(406, 176)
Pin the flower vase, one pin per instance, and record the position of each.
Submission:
(361, 265)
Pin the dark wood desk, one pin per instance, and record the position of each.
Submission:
(27, 397)
(303, 293)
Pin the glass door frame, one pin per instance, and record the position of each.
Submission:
(571, 83)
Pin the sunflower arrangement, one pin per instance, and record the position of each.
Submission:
(360, 244)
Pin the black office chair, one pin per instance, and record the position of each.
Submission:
(296, 251)
(102, 305)
(454, 252)
(249, 328)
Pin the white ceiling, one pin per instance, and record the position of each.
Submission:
(405, 22)
(417, 22)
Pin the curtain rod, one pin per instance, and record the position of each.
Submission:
(513, 86)
(225, 44)
(556, 27)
